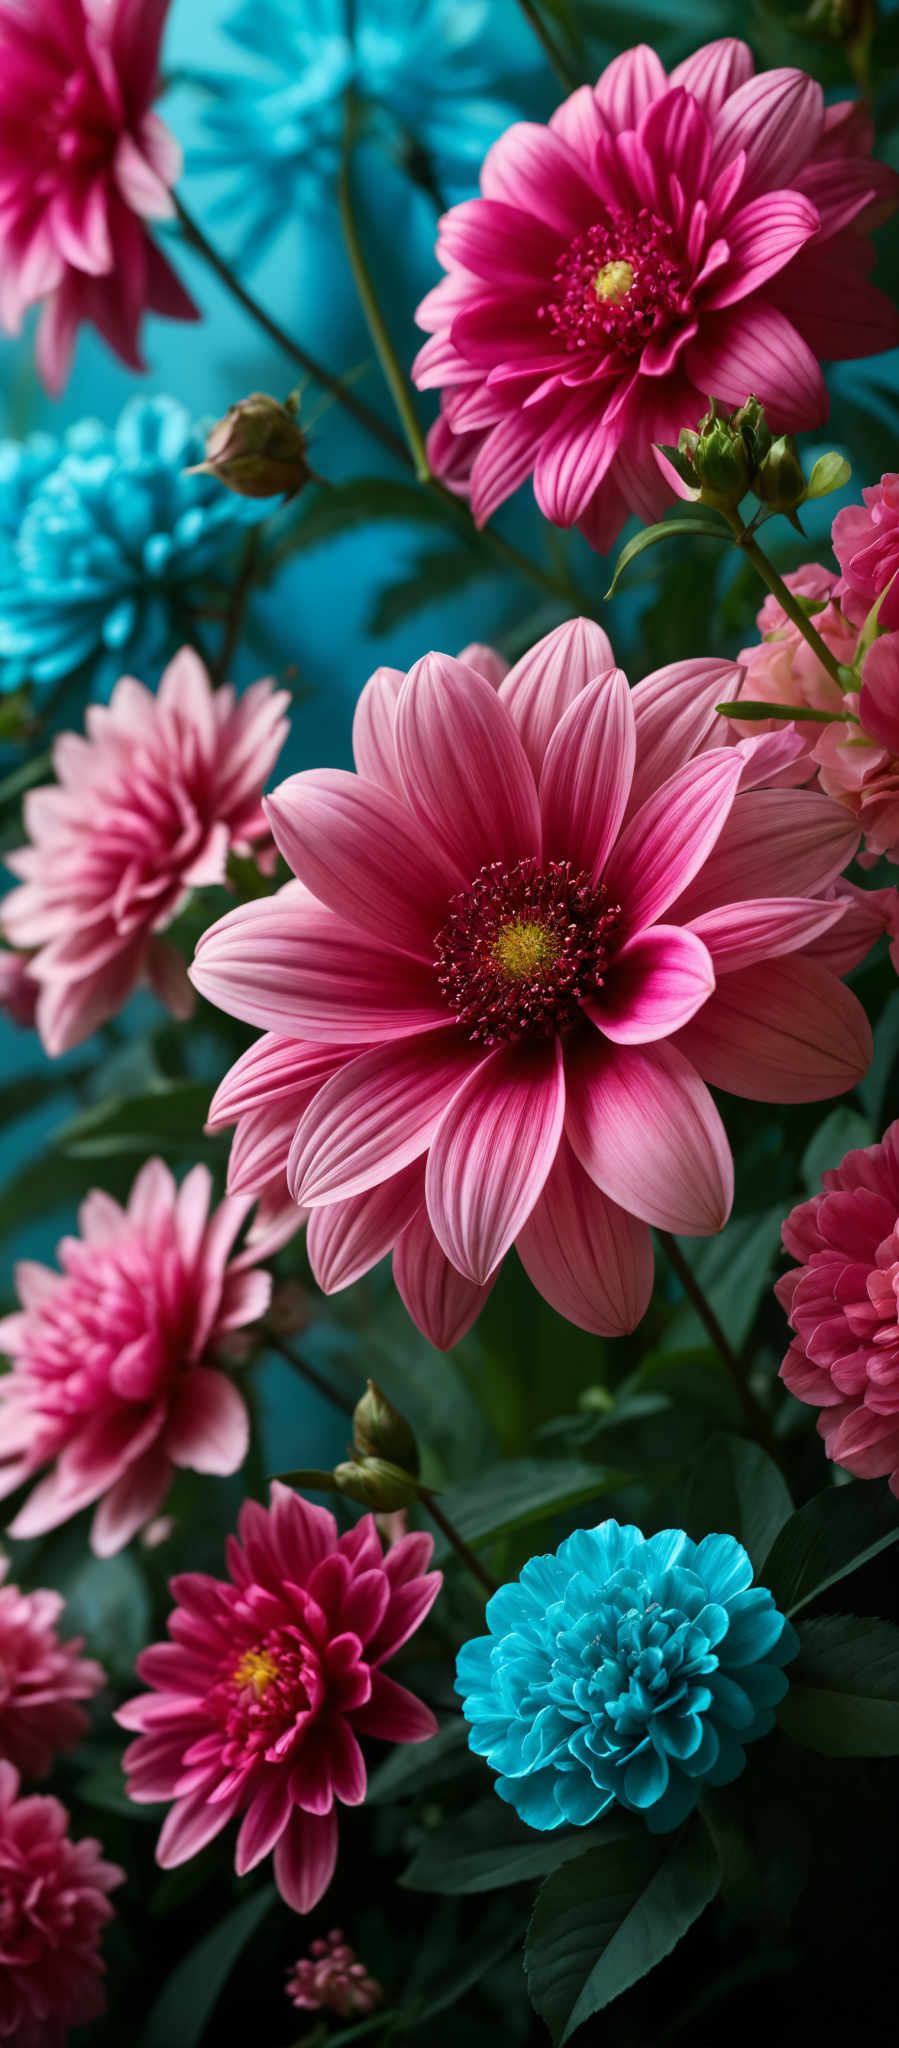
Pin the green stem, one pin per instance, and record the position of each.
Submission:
(237, 608)
(307, 1372)
(457, 1542)
(325, 378)
(559, 64)
(784, 596)
(377, 326)
(754, 1415)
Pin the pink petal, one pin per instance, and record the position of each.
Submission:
(574, 456)
(533, 169)
(788, 1032)
(208, 1428)
(675, 717)
(672, 836)
(394, 1714)
(376, 1115)
(190, 1824)
(655, 984)
(645, 1128)
(492, 1152)
(739, 934)
(589, 1259)
(464, 769)
(264, 1822)
(306, 1858)
(586, 776)
(879, 703)
(762, 238)
(359, 851)
(756, 348)
(345, 1239)
(373, 750)
(541, 686)
(628, 86)
(776, 119)
(715, 71)
(273, 1072)
(130, 1502)
(779, 841)
(140, 185)
(443, 1304)
(504, 459)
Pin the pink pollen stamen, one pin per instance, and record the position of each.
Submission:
(523, 948)
(593, 303)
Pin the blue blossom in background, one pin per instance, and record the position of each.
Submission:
(103, 543)
(624, 1669)
(433, 74)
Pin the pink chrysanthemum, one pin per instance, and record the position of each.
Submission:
(843, 1303)
(781, 668)
(115, 1360)
(490, 998)
(269, 1679)
(146, 807)
(41, 1681)
(18, 989)
(329, 1979)
(858, 760)
(53, 1908)
(83, 165)
(866, 545)
(661, 240)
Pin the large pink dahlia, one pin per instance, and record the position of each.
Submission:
(866, 544)
(116, 1360)
(522, 938)
(83, 165)
(53, 1908)
(42, 1680)
(663, 239)
(843, 1303)
(269, 1679)
(146, 807)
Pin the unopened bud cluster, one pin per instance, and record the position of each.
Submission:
(329, 1979)
(729, 455)
(258, 450)
(381, 1471)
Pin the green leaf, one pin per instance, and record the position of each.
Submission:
(601, 1923)
(763, 1847)
(795, 713)
(106, 1602)
(12, 787)
(519, 1492)
(734, 1270)
(832, 1535)
(441, 572)
(736, 1488)
(167, 1117)
(830, 473)
(488, 1848)
(706, 527)
(418, 1766)
(339, 508)
(188, 2000)
(844, 1687)
(841, 1132)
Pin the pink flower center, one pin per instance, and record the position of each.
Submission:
(79, 131)
(266, 1694)
(523, 948)
(618, 285)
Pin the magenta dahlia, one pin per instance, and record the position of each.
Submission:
(866, 545)
(42, 1680)
(117, 1359)
(661, 241)
(843, 1303)
(53, 1908)
(84, 165)
(269, 1679)
(522, 938)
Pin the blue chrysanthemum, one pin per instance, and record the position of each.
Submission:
(624, 1668)
(103, 543)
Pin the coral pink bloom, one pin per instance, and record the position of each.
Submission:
(53, 1908)
(41, 1681)
(782, 669)
(866, 545)
(83, 166)
(146, 807)
(858, 760)
(115, 1377)
(524, 935)
(269, 1679)
(843, 1303)
(663, 239)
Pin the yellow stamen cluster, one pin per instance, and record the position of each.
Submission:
(614, 280)
(524, 948)
(256, 1668)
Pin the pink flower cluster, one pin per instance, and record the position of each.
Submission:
(115, 1374)
(858, 760)
(146, 807)
(53, 1908)
(83, 165)
(866, 544)
(42, 1681)
(269, 1679)
(843, 1303)
(781, 668)
(663, 238)
(329, 1979)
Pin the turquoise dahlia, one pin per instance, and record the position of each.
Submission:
(624, 1668)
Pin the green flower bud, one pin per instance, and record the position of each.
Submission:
(257, 450)
(750, 421)
(380, 1431)
(376, 1483)
(722, 465)
(779, 481)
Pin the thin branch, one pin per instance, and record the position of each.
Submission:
(560, 65)
(785, 597)
(457, 1542)
(754, 1415)
(394, 375)
(308, 1372)
(234, 616)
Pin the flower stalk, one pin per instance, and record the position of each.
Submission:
(764, 567)
(754, 1416)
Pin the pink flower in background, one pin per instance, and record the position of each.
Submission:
(843, 1303)
(329, 1979)
(866, 545)
(664, 239)
(18, 989)
(53, 1908)
(146, 807)
(781, 668)
(270, 1677)
(41, 1682)
(83, 165)
(858, 760)
(115, 1379)
(524, 936)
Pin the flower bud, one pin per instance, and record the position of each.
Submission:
(380, 1432)
(257, 450)
(376, 1483)
(749, 420)
(721, 463)
(779, 481)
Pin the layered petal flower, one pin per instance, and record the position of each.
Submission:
(866, 545)
(43, 1679)
(55, 1907)
(858, 759)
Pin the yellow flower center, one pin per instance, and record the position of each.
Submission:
(614, 280)
(256, 1668)
(523, 949)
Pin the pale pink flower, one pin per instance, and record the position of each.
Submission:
(329, 1979)
(858, 760)
(866, 544)
(84, 165)
(269, 1679)
(663, 239)
(18, 988)
(146, 807)
(53, 1908)
(41, 1681)
(116, 1374)
(843, 1303)
(781, 668)
(523, 937)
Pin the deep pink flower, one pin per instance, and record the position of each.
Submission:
(41, 1681)
(663, 239)
(267, 1682)
(858, 760)
(490, 998)
(843, 1303)
(866, 545)
(115, 1376)
(146, 807)
(83, 165)
(18, 988)
(329, 1979)
(781, 667)
(53, 1908)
